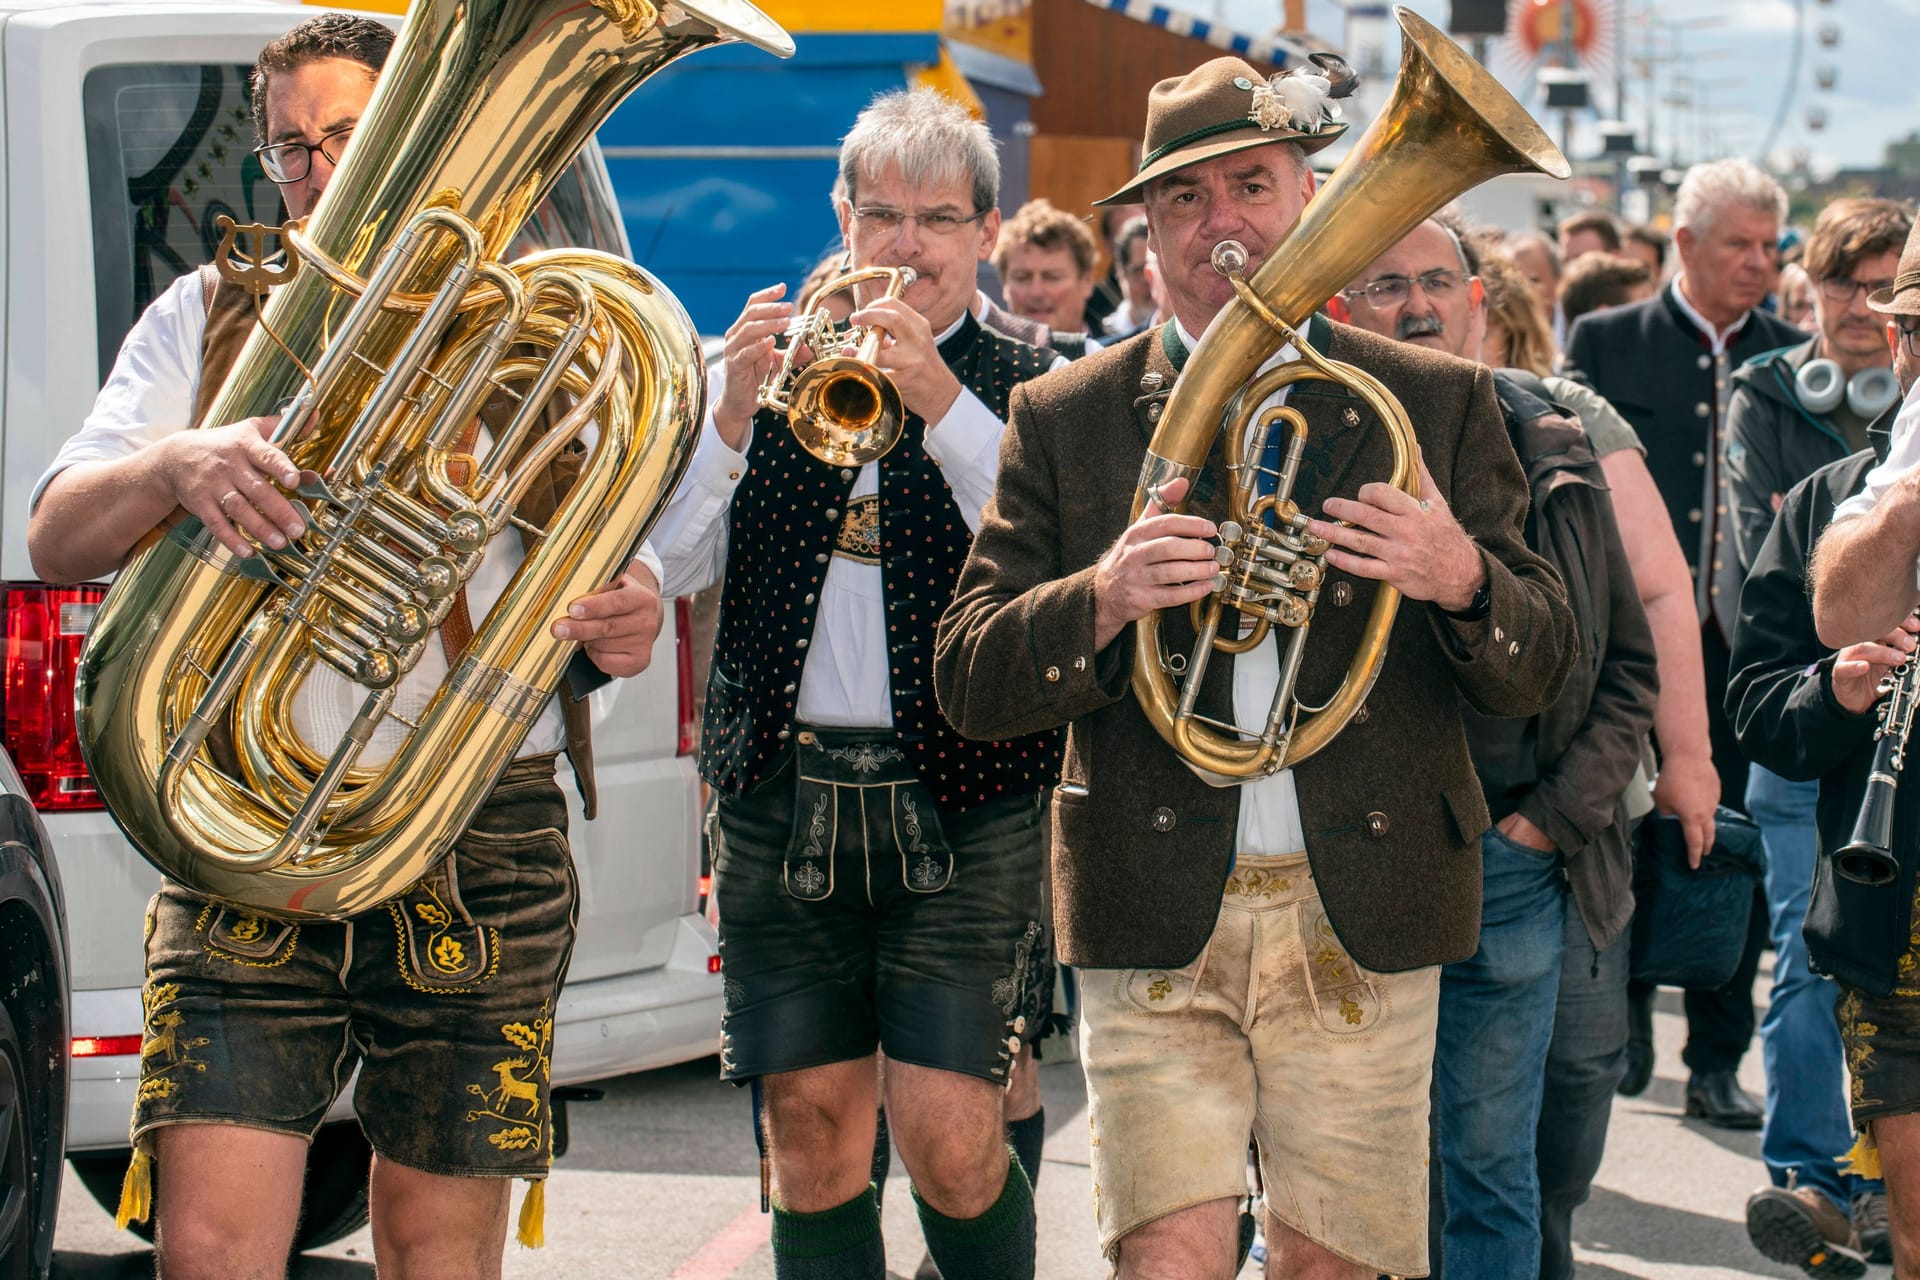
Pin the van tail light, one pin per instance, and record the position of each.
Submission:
(45, 627)
(105, 1046)
(683, 670)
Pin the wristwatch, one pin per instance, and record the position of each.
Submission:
(1477, 608)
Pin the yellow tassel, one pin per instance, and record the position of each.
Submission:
(136, 1191)
(1863, 1160)
(533, 1215)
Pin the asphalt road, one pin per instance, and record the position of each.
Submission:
(662, 1183)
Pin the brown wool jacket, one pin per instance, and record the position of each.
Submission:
(1392, 810)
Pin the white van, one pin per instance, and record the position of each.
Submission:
(124, 130)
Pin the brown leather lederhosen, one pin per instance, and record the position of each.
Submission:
(230, 319)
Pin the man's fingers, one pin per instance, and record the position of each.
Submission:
(272, 462)
(1391, 499)
(1164, 499)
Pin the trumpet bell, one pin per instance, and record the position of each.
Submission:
(846, 412)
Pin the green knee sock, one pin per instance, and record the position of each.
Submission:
(842, 1243)
(997, 1245)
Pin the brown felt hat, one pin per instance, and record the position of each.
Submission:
(1219, 107)
(1904, 298)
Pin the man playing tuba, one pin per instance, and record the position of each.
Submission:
(1260, 961)
(253, 1025)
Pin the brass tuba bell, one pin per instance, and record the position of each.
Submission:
(401, 322)
(1448, 127)
(843, 410)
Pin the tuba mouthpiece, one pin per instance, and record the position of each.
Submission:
(1230, 258)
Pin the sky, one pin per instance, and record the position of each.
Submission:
(1742, 64)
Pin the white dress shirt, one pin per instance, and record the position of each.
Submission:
(846, 682)
(1903, 453)
(149, 396)
(1270, 806)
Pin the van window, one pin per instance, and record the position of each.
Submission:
(169, 147)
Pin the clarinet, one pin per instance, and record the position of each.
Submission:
(1868, 857)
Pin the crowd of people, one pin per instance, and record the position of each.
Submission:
(1654, 561)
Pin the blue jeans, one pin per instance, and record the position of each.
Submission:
(1496, 1021)
(1806, 1128)
(1586, 1061)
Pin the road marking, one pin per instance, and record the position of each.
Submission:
(721, 1256)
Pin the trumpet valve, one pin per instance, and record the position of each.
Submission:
(1307, 575)
(1293, 610)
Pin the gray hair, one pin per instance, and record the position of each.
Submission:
(1709, 188)
(930, 139)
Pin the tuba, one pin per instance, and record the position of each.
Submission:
(398, 323)
(1448, 127)
(842, 409)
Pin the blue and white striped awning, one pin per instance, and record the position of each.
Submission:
(1270, 49)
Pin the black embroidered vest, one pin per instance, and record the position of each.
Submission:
(786, 522)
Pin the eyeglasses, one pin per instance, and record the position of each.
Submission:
(1839, 290)
(1910, 334)
(1392, 291)
(887, 222)
(290, 161)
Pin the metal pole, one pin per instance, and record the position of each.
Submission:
(1567, 56)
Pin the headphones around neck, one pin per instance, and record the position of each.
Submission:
(1821, 387)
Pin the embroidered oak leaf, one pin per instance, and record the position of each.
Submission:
(449, 956)
(248, 929)
(1350, 1010)
(1160, 988)
(518, 1138)
(520, 1035)
(434, 914)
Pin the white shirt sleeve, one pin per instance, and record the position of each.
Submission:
(691, 534)
(149, 394)
(1903, 453)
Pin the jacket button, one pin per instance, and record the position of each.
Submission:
(1150, 382)
(1342, 593)
(1513, 650)
(1376, 824)
(806, 737)
(1080, 664)
(820, 557)
(1362, 715)
(784, 734)
(1153, 413)
(1498, 634)
(1163, 819)
(1699, 459)
(801, 643)
(831, 513)
(1703, 409)
(1694, 515)
(1706, 362)
(1053, 673)
(791, 686)
(846, 474)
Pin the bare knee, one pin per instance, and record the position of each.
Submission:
(1296, 1257)
(820, 1131)
(1200, 1242)
(429, 1226)
(226, 1201)
(951, 1131)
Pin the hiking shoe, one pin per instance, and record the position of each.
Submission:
(1873, 1227)
(1801, 1227)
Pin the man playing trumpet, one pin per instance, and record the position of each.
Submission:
(1258, 960)
(878, 878)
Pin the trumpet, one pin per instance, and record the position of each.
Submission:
(843, 410)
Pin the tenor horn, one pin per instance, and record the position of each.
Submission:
(1448, 127)
(401, 321)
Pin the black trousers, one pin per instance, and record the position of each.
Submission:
(1720, 1024)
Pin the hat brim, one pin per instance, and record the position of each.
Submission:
(1224, 144)
(1896, 302)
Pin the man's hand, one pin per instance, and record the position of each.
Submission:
(1858, 669)
(1413, 544)
(911, 358)
(226, 477)
(617, 624)
(1688, 788)
(1522, 832)
(749, 356)
(1162, 561)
